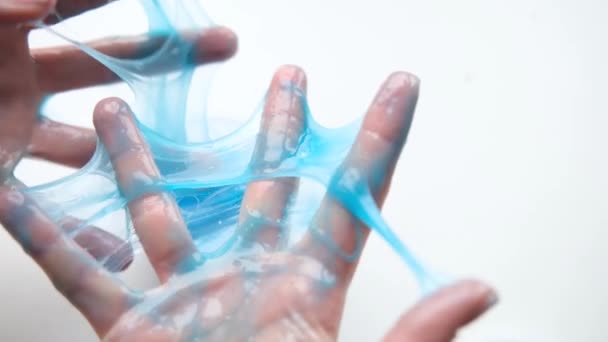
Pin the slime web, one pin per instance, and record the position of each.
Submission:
(208, 175)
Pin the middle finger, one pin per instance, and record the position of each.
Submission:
(265, 202)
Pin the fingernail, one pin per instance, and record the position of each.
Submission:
(398, 83)
(401, 78)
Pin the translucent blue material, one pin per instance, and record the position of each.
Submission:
(208, 176)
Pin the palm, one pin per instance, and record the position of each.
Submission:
(236, 306)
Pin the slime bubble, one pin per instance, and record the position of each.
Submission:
(208, 174)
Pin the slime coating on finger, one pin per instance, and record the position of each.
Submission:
(208, 175)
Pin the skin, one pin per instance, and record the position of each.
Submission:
(281, 306)
(28, 75)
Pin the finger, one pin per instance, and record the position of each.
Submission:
(264, 202)
(14, 12)
(155, 216)
(19, 99)
(96, 293)
(437, 318)
(64, 144)
(65, 68)
(115, 253)
(373, 156)
(71, 8)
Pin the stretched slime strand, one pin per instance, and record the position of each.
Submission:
(208, 176)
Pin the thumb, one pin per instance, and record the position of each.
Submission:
(14, 12)
(437, 318)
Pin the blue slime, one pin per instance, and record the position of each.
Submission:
(208, 176)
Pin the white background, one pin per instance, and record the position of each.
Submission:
(504, 176)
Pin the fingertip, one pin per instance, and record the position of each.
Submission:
(19, 11)
(228, 37)
(121, 260)
(405, 79)
(477, 292)
(115, 253)
(392, 110)
(112, 106)
(216, 44)
(10, 197)
(399, 84)
(291, 75)
(107, 110)
(438, 317)
(11, 200)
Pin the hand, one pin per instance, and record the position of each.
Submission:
(27, 76)
(283, 296)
